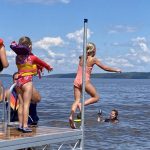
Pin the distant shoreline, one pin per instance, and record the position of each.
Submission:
(125, 75)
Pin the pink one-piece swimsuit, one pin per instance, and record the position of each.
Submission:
(78, 79)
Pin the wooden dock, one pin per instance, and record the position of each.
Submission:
(12, 139)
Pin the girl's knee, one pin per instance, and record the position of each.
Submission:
(97, 98)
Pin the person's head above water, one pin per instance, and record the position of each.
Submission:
(15, 77)
(114, 114)
(113, 117)
(91, 49)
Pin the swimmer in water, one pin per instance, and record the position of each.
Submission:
(113, 117)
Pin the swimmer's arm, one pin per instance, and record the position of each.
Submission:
(104, 67)
(3, 57)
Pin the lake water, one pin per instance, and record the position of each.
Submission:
(131, 97)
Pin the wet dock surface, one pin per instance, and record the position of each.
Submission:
(11, 138)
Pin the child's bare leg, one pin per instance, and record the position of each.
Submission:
(27, 94)
(77, 95)
(20, 110)
(90, 89)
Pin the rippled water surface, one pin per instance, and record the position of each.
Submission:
(130, 97)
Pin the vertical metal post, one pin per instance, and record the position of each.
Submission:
(4, 108)
(3, 113)
(83, 79)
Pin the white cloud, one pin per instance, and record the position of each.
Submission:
(132, 50)
(54, 55)
(53, 58)
(48, 42)
(137, 57)
(145, 58)
(61, 61)
(41, 1)
(73, 55)
(10, 53)
(115, 44)
(118, 62)
(78, 35)
(141, 42)
(140, 51)
(121, 29)
(48, 46)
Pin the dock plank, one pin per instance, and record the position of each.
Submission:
(13, 139)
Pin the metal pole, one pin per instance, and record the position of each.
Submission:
(4, 108)
(3, 99)
(10, 91)
(83, 79)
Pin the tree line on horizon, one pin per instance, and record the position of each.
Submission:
(125, 75)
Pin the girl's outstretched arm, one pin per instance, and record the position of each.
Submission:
(104, 67)
(40, 62)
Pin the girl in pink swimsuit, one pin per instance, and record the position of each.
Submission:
(89, 88)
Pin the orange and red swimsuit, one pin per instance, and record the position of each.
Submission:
(27, 64)
(27, 67)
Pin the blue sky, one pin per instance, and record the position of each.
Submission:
(119, 28)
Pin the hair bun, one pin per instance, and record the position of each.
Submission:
(90, 47)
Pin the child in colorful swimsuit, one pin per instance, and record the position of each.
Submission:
(89, 88)
(14, 103)
(28, 65)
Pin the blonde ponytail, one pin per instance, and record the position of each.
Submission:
(91, 48)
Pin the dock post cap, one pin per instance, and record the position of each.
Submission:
(85, 20)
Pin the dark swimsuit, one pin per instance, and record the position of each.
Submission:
(32, 120)
(111, 120)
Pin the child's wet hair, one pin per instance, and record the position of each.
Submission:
(14, 75)
(25, 41)
(116, 112)
(90, 48)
